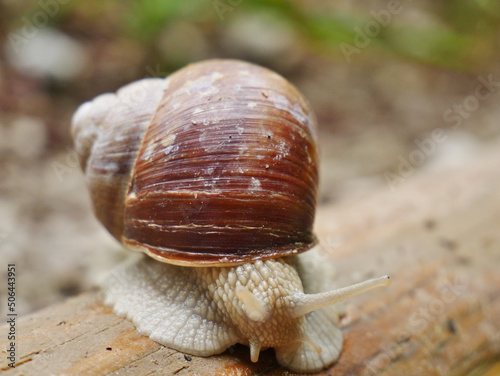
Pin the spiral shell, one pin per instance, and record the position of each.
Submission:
(216, 164)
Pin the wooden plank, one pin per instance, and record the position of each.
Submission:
(437, 235)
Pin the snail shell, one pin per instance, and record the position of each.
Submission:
(215, 165)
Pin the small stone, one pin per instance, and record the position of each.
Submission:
(48, 53)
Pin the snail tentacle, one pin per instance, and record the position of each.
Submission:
(255, 307)
(305, 303)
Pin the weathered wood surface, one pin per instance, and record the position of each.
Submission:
(436, 234)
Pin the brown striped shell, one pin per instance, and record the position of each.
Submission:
(216, 164)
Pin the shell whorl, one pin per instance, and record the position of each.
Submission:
(107, 134)
(217, 164)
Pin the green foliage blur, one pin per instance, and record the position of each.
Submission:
(453, 34)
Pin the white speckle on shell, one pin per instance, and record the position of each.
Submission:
(132, 196)
(146, 156)
(171, 148)
(168, 140)
(208, 171)
(204, 85)
(255, 184)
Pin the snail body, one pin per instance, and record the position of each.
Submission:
(213, 173)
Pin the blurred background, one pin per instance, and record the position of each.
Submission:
(398, 87)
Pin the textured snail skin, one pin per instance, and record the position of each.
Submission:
(214, 172)
(201, 311)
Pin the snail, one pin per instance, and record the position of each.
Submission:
(212, 172)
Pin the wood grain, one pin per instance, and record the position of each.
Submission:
(437, 235)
